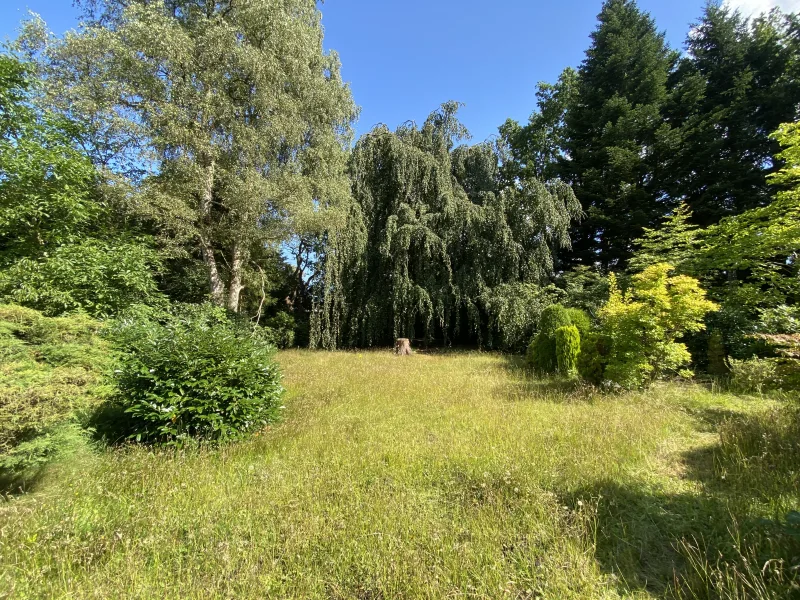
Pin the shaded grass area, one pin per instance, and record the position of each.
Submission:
(432, 476)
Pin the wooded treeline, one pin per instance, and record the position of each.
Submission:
(191, 151)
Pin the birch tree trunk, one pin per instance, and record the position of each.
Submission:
(236, 286)
(217, 286)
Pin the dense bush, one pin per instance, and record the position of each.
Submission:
(645, 322)
(755, 375)
(98, 277)
(581, 320)
(553, 317)
(193, 373)
(568, 347)
(51, 378)
(593, 357)
(541, 355)
(279, 330)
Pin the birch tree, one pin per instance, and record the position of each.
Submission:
(229, 116)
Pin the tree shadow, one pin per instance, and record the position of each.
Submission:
(109, 424)
(14, 483)
(639, 530)
(523, 384)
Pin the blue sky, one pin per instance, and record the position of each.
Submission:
(403, 59)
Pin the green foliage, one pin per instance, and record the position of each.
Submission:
(736, 84)
(645, 322)
(593, 357)
(568, 347)
(676, 242)
(279, 330)
(580, 319)
(513, 313)
(51, 376)
(231, 116)
(439, 245)
(47, 196)
(541, 354)
(781, 319)
(614, 134)
(553, 317)
(755, 375)
(585, 288)
(537, 147)
(53, 256)
(193, 374)
(717, 356)
(101, 278)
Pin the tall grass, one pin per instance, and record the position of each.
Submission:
(431, 476)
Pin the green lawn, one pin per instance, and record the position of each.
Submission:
(432, 476)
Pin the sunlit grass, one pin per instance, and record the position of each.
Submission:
(431, 476)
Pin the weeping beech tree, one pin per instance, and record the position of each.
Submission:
(438, 244)
(238, 116)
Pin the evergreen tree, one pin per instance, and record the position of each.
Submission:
(738, 83)
(615, 138)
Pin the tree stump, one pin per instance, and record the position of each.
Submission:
(402, 347)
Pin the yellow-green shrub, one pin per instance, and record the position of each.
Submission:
(644, 323)
(51, 371)
(568, 347)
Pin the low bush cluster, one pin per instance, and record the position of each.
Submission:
(193, 373)
(642, 326)
(51, 378)
(759, 375)
(551, 351)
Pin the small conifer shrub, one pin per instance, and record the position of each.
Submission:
(568, 347)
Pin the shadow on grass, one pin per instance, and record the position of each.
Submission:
(638, 531)
(14, 483)
(642, 537)
(734, 522)
(110, 424)
(524, 384)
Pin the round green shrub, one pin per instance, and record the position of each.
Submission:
(568, 347)
(541, 356)
(581, 320)
(593, 357)
(193, 374)
(553, 317)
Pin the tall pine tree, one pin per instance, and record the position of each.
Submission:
(616, 141)
(738, 83)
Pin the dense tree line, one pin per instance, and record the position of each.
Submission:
(191, 151)
(640, 128)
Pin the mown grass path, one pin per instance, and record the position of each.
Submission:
(432, 476)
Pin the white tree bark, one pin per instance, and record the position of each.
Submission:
(236, 285)
(217, 286)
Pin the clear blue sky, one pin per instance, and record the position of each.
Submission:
(405, 58)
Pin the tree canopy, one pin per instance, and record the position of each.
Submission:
(439, 238)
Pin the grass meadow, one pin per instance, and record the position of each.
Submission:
(449, 475)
